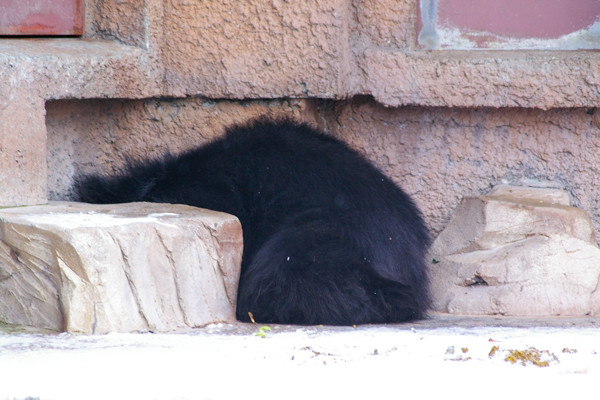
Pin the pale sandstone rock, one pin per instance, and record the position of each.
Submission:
(130, 267)
(539, 196)
(517, 251)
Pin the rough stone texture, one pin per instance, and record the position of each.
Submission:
(100, 135)
(95, 269)
(131, 22)
(441, 155)
(508, 215)
(23, 172)
(76, 68)
(33, 71)
(516, 253)
(150, 51)
(438, 155)
(236, 50)
(246, 49)
(386, 24)
(543, 80)
(337, 49)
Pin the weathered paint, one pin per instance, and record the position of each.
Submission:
(509, 24)
(41, 17)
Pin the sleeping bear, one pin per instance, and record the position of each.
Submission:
(328, 239)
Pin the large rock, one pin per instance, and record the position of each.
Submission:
(517, 251)
(102, 268)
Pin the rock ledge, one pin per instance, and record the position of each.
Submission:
(519, 252)
(118, 268)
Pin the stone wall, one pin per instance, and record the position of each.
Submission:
(149, 76)
(439, 155)
(101, 135)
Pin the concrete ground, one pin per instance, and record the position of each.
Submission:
(449, 356)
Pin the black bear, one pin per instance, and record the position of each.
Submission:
(328, 239)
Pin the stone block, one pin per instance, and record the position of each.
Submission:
(118, 268)
(232, 49)
(517, 251)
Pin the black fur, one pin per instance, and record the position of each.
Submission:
(328, 239)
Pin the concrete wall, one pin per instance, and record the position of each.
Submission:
(101, 135)
(150, 75)
(442, 154)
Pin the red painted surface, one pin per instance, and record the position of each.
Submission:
(544, 19)
(41, 17)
